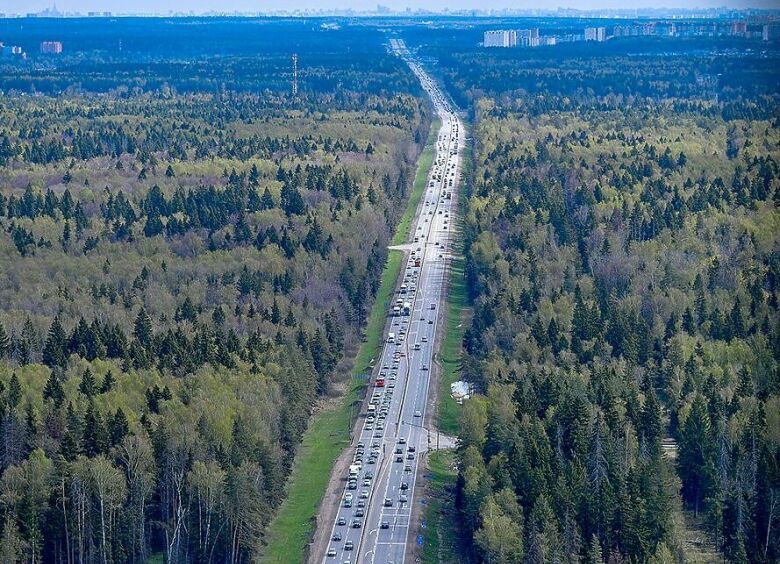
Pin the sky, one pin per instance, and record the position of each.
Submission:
(199, 6)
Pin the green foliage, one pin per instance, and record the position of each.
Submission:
(183, 282)
(621, 257)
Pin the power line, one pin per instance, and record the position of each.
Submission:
(295, 74)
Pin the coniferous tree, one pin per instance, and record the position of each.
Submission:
(87, 385)
(142, 328)
(55, 347)
(53, 390)
(5, 343)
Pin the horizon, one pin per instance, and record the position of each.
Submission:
(493, 8)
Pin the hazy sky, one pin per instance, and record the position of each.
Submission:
(162, 6)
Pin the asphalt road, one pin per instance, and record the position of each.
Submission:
(372, 524)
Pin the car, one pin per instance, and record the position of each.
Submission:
(388, 502)
(331, 552)
(385, 524)
(412, 448)
(336, 536)
(361, 503)
(424, 339)
(410, 456)
(342, 521)
(349, 545)
(417, 413)
(403, 498)
(364, 494)
(399, 450)
(402, 441)
(399, 458)
(404, 485)
(359, 512)
(356, 524)
(408, 468)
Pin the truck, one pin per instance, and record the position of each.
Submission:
(407, 308)
(354, 470)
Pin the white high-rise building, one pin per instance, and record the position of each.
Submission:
(595, 34)
(499, 38)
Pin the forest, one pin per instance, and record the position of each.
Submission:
(180, 280)
(622, 242)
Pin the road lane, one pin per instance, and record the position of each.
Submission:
(373, 521)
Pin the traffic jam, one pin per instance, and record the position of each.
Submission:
(387, 446)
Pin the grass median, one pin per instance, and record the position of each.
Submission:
(328, 432)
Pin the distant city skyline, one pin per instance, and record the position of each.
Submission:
(203, 6)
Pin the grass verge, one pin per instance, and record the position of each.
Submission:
(450, 352)
(442, 542)
(328, 431)
(424, 163)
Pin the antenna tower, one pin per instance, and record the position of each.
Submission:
(295, 74)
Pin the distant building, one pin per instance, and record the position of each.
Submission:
(11, 50)
(528, 37)
(548, 40)
(739, 28)
(595, 33)
(771, 32)
(499, 38)
(51, 47)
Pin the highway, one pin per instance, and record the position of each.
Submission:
(373, 521)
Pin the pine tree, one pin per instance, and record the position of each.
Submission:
(53, 390)
(737, 321)
(14, 391)
(55, 348)
(595, 555)
(267, 200)
(142, 328)
(695, 459)
(87, 385)
(5, 343)
(108, 382)
(650, 418)
(276, 314)
(94, 437)
(118, 427)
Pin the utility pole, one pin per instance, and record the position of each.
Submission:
(295, 74)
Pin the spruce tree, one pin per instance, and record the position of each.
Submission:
(142, 328)
(53, 390)
(5, 343)
(55, 348)
(94, 438)
(87, 385)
